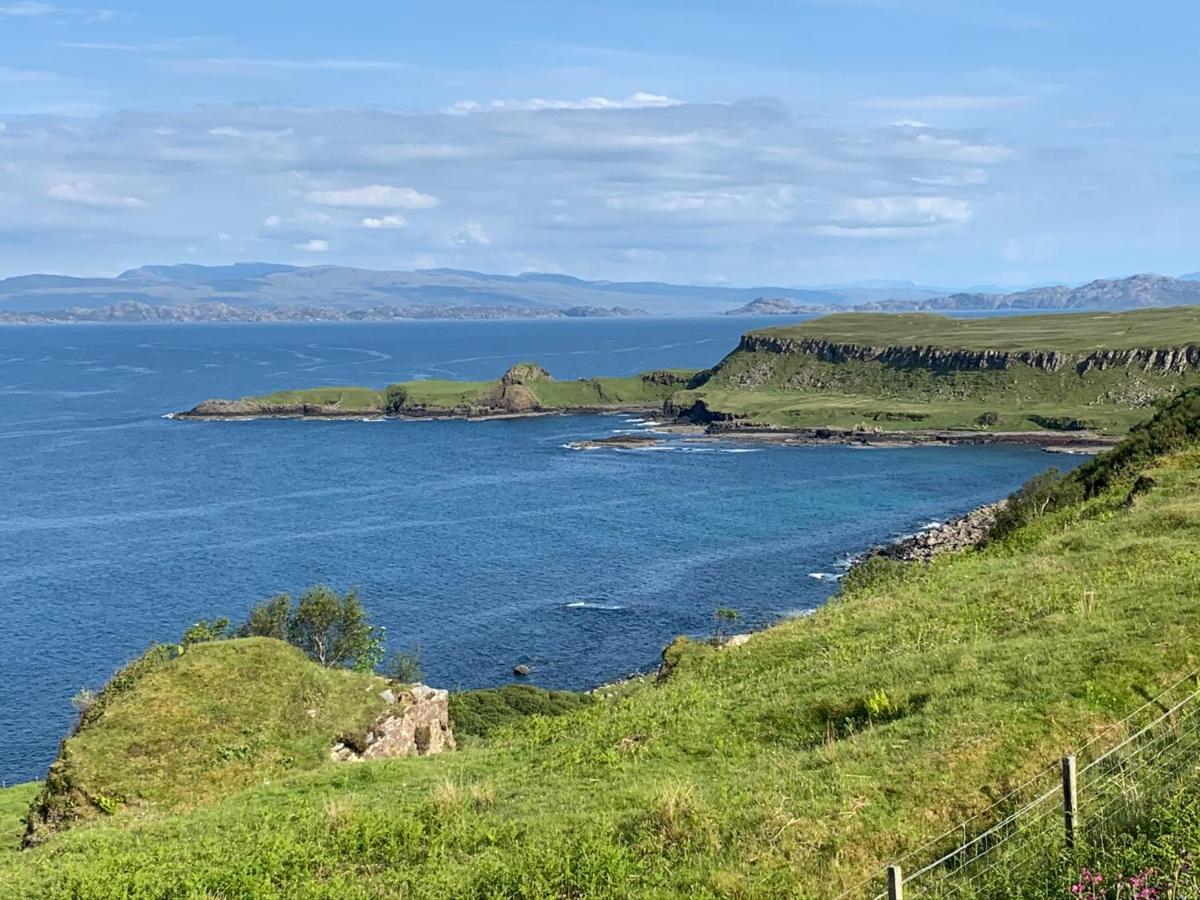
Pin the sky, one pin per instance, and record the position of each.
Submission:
(953, 143)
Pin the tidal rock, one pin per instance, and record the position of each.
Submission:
(522, 669)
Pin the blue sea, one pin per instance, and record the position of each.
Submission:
(486, 543)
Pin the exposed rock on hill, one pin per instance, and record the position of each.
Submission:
(1167, 360)
(417, 724)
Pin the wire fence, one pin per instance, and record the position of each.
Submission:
(1112, 779)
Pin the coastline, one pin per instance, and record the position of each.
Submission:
(1082, 442)
(955, 535)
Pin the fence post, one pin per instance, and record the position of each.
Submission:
(895, 883)
(1070, 799)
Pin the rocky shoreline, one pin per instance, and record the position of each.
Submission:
(962, 533)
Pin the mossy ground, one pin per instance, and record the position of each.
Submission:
(790, 766)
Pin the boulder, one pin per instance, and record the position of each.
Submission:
(420, 727)
(522, 670)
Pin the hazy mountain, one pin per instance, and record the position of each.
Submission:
(1194, 276)
(1136, 291)
(268, 286)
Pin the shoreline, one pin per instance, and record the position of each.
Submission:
(921, 547)
(1083, 442)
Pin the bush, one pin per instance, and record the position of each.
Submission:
(395, 400)
(404, 666)
(479, 713)
(332, 630)
(206, 630)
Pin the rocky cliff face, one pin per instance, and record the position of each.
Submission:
(1166, 360)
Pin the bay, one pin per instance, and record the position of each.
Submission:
(486, 543)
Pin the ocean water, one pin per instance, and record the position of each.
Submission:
(486, 543)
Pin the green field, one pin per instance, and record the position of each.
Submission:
(790, 766)
(1075, 333)
(472, 397)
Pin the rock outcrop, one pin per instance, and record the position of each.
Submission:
(417, 724)
(958, 534)
(1168, 360)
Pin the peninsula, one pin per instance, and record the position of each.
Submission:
(1083, 378)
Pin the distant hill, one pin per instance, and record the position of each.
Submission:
(773, 306)
(259, 291)
(1134, 292)
(267, 287)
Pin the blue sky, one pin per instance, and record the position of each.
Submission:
(951, 143)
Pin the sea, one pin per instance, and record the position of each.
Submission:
(485, 544)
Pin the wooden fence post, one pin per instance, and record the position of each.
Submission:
(895, 883)
(1070, 799)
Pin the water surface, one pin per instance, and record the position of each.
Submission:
(488, 543)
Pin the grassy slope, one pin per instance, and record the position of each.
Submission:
(1076, 333)
(753, 772)
(14, 803)
(800, 390)
(218, 718)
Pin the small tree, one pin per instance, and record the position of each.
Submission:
(206, 630)
(333, 630)
(269, 619)
(723, 617)
(404, 666)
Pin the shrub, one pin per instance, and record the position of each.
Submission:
(332, 630)
(206, 630)
(479, 713)
(404, 666)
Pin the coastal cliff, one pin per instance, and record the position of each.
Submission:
(1167, 360)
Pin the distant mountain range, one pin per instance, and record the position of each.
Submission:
(268, 292)
(278, 292)
(1134, 292)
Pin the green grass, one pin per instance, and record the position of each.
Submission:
(1075, 333)
(170, 734)
(484, 712)
(473, 396)
(791, 766)
(14, 804)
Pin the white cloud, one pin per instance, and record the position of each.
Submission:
(28, 8)
(638, 100)
(471, 233)
(315, 245)
(898, 213)
(384, 222)
(374, 196)
(85, 193)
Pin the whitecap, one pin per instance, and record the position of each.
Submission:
(586, 604)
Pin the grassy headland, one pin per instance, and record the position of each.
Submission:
(859, 373)
(1084, 371)
(789, 766)
(526, 388)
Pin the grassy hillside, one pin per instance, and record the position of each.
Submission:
(168, 734)
(789, 766)
(763, 383)
(1076, 333)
